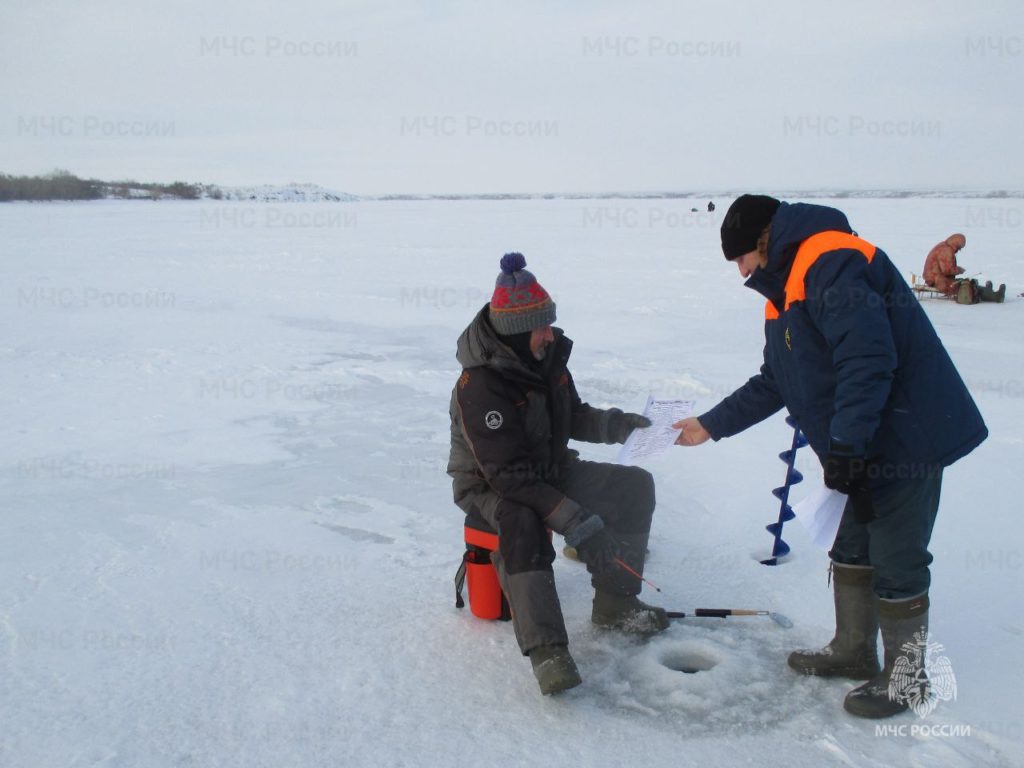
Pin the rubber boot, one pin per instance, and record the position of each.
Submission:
(554, 669)
(853, 651)
(986, 293)
(627, 613)
(903, 681)
(616, 605)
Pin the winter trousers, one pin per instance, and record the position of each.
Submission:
(895, 540)
(623, 497)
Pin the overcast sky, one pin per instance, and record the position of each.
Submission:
(375, 97)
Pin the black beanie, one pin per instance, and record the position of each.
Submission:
(744, 222)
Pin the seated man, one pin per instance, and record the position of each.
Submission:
(940, 267)
(513, 411)
(942, 273)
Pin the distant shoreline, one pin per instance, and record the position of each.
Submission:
(66, 187)
(838, 194)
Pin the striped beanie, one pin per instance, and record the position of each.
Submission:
(519, 303)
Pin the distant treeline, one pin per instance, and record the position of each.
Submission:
(61, 185)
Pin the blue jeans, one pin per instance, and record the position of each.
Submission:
(895, 541)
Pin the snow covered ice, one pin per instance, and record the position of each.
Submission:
(229, 539)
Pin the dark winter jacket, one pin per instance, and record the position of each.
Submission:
(850, 353)
(511, 424)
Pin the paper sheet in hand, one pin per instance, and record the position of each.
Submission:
(820, 514)
(656, 439)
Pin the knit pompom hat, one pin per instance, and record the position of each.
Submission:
(519, 302)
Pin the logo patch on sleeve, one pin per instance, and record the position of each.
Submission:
(493, 419)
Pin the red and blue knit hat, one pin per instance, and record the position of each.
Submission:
(519, 303)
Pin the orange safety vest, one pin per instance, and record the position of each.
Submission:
(807, 254)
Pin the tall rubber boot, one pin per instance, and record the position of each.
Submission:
(903, 680)
(536, 610)
(986, 293)
(853, 651)
(616, 605)
(554, 669)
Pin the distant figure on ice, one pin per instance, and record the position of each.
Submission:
(940, 267)
(859, 366)
(711, 207)
(942, 273)
(513, 412)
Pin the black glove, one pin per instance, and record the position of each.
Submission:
(593, 544)
(847, 472)
(621, 425)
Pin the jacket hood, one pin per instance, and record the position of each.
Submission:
(792, 224)
(481, 346)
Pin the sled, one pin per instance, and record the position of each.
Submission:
(924, 291)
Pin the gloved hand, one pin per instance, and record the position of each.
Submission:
(847, 472)
(621, 425)
(593, 544)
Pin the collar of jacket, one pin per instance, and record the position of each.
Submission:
(555, 361)
(481, 346)
(792, 224)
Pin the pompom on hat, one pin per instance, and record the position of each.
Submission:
(519, 303)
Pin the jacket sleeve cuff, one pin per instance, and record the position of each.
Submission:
(710, 423)
(845, 448)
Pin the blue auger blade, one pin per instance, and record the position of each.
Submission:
(775, 529)
(778, 552)
(781, 548)
(793, 476)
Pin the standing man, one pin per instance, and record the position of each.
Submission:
(513, 411)
(853, 357)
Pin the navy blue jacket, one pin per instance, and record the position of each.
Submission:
(851, 354)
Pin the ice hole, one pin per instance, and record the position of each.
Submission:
(688, 662)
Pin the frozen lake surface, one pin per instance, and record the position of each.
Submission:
(229, 539)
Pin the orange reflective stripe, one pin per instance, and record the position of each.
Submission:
(808, 253)
(770, 312)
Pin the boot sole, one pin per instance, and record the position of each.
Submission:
(873, 714)
(568, 685)
(804, 663)
(645, 627)
(558, 686)
(843, 672)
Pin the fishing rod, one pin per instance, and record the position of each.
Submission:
(714, 613)
(722, 613)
